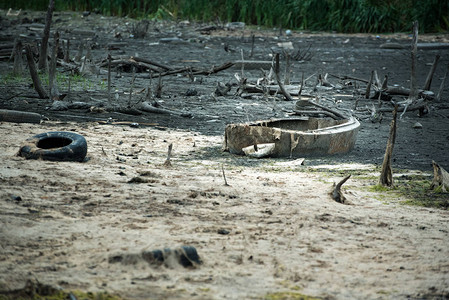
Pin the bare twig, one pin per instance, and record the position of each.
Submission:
(224, 176)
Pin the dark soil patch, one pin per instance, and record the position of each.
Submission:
(353, 55)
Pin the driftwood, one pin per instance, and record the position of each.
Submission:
(336, 193)
(36, 81)
(69, 66)
(413, 89)
(214, 69)
(224, 176)
(43, 64)
(418, 105)
(126, 123)
(438, 97)
(109, 77)
(431, 72)
(53, 87)
(150, 62)
(349, 78)
(192, 71)
(145, 106)
(386, 174)
(131, 62)
(440, 178)
(278, 80)
(17, 54)
(338, 114)
(167, 162)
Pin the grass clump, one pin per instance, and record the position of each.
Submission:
(288, 296)
(417, 191)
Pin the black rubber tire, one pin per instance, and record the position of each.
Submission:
(15, 116)
(55, 146)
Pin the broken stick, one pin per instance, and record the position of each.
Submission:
(43, 63)
(440, 178)
(278, 79)
(167, 162)
(336, 193)
(32, 66)
(386, 174)
(224, 176)
(431, 72)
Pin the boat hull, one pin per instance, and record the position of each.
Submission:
(294, 137)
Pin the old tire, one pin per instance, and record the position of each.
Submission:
(55, 146)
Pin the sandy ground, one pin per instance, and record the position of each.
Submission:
(273, 229)
(274, 232)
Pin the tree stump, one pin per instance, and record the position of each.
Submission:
(386, 175)
(440, 178)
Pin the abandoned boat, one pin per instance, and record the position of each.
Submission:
(302, 136)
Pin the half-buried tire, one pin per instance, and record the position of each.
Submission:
(55, 146)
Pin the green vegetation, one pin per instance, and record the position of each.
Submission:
(77, 82)
(323, 15)
(288, 296)
(416, 191)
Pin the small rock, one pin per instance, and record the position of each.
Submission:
(191, 92)
(16, 198)
(223, 231)
(417, 125)
(59, 106)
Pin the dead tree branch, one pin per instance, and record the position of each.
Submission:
(386, 174)
(431, 72)
(278, 79)
(53, 87)
(440, 178)
(336, 193)
(167, 162)
(33, 72)
(440, 91)
(43, 64)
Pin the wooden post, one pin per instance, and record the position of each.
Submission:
(386, 174)
(32, 66)
(17, 53)
(109, 77)
(431, 72)
(53, 86)
(43, 64)
(440, 91)
(440, 178)
(368, 87)
(413, 90)
(336, 193)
